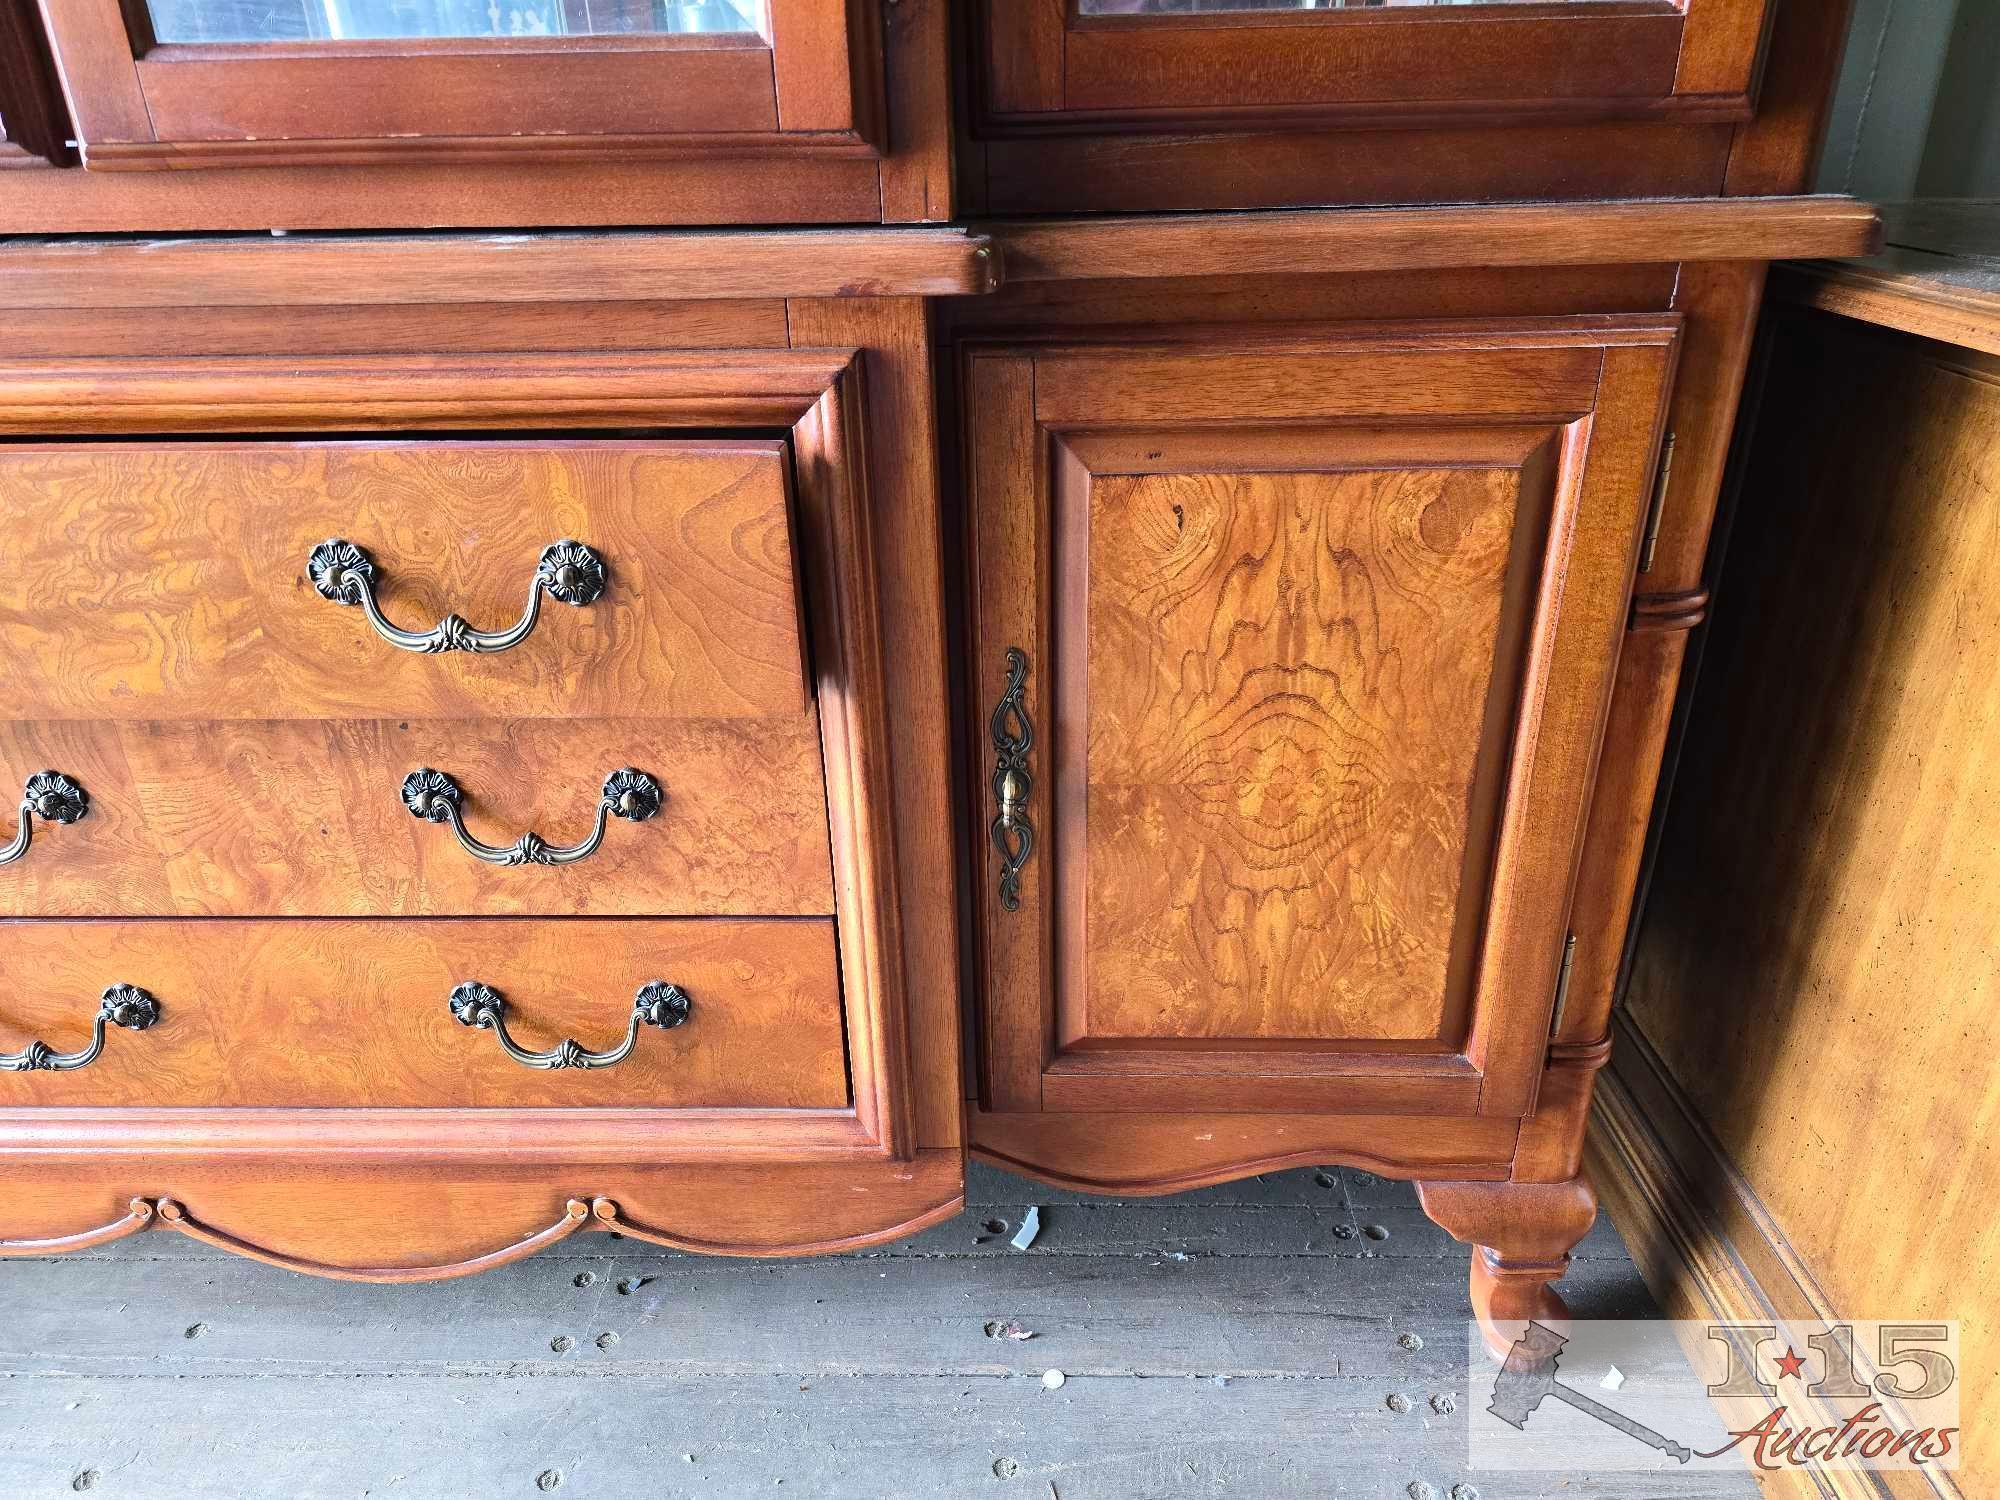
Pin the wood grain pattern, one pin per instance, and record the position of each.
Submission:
(432, 271)
(194, 96)
(570, 193)
(1136, 1154)
(302, 817)
(917, 173)
(1497, 234)
(348, 1013)
(393, 328)
(1778, 151)
(895, 338)
(1073, 113)
(814, 394)
(1398, 613)
(1127, 71)
(1521, 1234)
(1951, 298)
(170, 581)
(1211, 169)
(1286, 675)
(445, 98)
(1821, 946)
(1377, 69)
(421, 1216)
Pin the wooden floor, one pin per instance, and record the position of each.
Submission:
(1300, 1334)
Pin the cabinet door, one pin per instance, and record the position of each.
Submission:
(1294, 657)
(253, 82)
(1317, 63)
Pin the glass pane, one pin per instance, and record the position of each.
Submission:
(368, 20)
(1207, 7)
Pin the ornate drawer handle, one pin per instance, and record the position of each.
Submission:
(1013, 737)
(657, 1004)
(434, 797)
(344, 573)
(51, 796)
(124, 1005)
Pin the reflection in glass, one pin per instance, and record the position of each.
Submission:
(371, 20)
(1208, 7)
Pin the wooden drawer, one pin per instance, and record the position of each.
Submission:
(358, 1013)
(297, 817)
(244, 739)
(170, 580)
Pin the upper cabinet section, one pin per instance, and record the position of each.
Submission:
(177, 83)
(513, 114)
(1139, 104)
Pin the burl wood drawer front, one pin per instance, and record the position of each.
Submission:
(244, 739)
(170, 580)
(1314, 638)
(356, 1013)
(302, 817)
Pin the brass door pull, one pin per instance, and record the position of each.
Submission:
(435, 797)
(657, 1004)
(50, 796)
(123, 1005)
(344, 573)
(1013, 737)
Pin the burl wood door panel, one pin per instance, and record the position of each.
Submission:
(357, 1014)
(1319, 635)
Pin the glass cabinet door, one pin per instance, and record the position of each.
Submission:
(195, 21)
(1310, 64)
(259, 82)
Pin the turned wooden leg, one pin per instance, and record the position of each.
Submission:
(1521, 1234)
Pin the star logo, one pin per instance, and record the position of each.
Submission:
(1791, 1364)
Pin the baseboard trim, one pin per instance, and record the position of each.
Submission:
(1704, 1242)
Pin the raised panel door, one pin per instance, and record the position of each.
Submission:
(1313, 645)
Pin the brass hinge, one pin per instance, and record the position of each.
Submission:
(1659, 506)
(1562, 983)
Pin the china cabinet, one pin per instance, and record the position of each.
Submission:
(690, 715)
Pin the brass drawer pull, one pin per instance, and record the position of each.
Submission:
(657, 1004)
(344, 573)
(1013, 737)
(50, 796)
(434, 797)
(124, 1005)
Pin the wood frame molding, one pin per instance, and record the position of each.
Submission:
(1932, 295)
(599, 1213)
(428, 270)
(1706, 1246)
(411, 1227)
(1613, 232)
(817, 396)
(810, 84)
(1045, 66)
(1144, 1155)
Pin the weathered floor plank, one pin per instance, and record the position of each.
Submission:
(1221, 1343)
